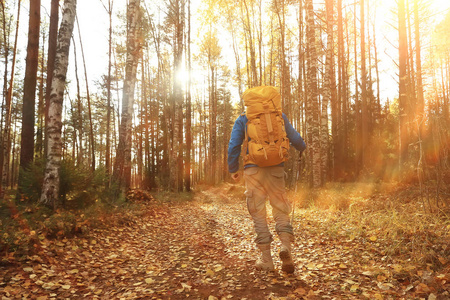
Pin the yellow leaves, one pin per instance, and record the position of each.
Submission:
(149, 280)
(368, 273)
(373, 238)
(218, 268)
(313, 266)
(354, 288)
(378, 296)
(397, 268)
(300, 291)
(432, 297)
(184, 288)
(442, 260)
(209, 273)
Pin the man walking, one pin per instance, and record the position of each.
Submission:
(265, 133)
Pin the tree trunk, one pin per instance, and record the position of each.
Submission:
(29, 87)
(52, 40)
(213, 125)
(88, 98)
(108, 100)
(328, 88)
(187, 177)
(364, 105)
(50, 189)
(122, 165)
(313, 97)
(5, 149)
(420, 97)
(78, 122)
(403, 62)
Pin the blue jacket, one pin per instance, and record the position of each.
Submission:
(238, 135)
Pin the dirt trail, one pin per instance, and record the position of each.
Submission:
(202, 249)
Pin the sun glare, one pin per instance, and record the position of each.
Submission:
(195, 76)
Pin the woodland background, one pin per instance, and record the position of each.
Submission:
(162, 111)
(118, 146)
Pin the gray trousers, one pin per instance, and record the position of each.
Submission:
(261, 183)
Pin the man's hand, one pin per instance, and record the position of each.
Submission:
(236, 177)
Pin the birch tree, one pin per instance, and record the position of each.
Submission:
(328, 87)
(312, 107)
(122, 165)
(52, 40)
(50, 189)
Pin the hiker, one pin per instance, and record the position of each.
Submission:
(265, 133)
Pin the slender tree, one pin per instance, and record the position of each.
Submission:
(402, 98)
(5, 149)
(29, 94)
(420, 96)
(122, 165)
(109, 10)
(364, 105)
(328, 87)
(187, 178)
(50, 189)
(51, 54)
(312, 109)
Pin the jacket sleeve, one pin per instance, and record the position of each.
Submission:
(234, 146)
(294, 137)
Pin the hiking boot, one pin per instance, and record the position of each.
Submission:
(285, 252)
(265, 262)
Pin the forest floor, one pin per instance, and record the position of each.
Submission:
(203, 248)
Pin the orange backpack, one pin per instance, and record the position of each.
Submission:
(265, 134)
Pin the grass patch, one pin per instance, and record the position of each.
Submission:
(394, 219)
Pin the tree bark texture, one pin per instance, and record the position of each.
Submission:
(29, 88)
(5, 149)
(50, 189)
(312, 121)
(122, 165)
(52, 40)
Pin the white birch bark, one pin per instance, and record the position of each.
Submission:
(50, 189)
(313, 135)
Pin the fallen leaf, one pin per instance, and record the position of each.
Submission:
(300, 291)
(209, 273)
(354, 288)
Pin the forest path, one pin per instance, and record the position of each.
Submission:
(201, 249)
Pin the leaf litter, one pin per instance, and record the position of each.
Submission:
(203, 249)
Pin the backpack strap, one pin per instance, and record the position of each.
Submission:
(245, 144)
(269, 123)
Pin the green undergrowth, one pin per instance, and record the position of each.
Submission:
(396, 221)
